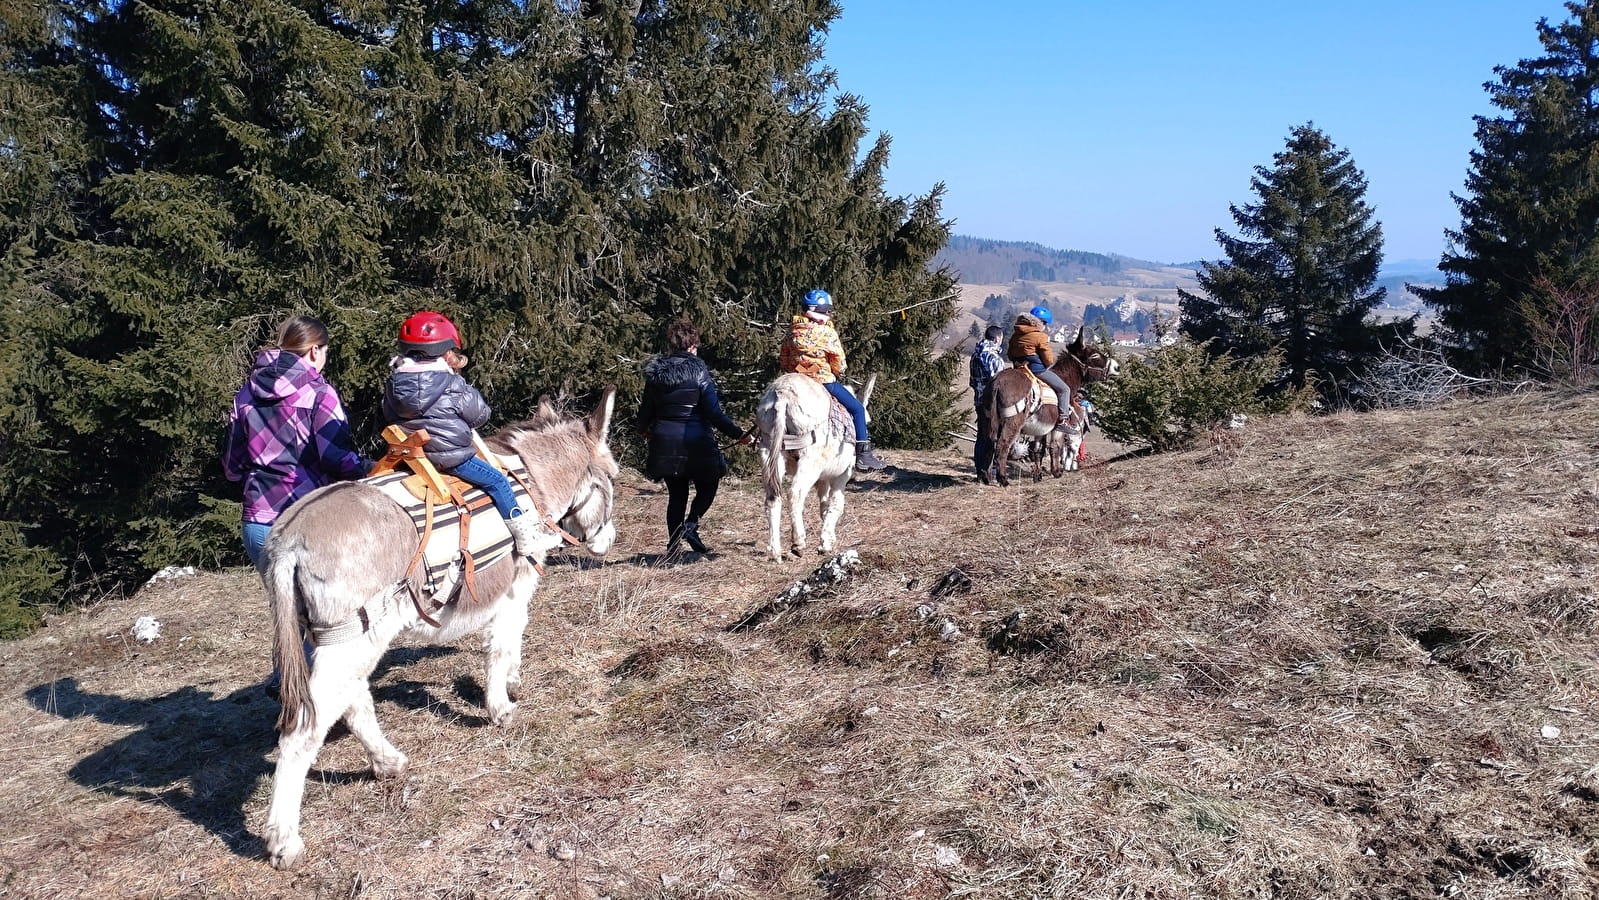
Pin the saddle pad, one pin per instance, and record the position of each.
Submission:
(1040, 395)
(840, 429)
(488, 540)
(839, 421)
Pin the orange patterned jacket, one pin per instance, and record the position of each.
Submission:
(813, 349)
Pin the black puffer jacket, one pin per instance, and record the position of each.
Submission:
(678, 410)
(441, 401)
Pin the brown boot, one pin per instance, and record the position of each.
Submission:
(865, 459)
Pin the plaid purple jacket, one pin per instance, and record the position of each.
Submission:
(287, 436)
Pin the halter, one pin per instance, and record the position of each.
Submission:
(1082, 361)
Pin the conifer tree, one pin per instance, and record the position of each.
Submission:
(1301, 273)
(1527, 234)
(560, 178)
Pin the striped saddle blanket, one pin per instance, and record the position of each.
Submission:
(458, 539)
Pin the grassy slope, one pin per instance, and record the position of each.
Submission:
(1317, 661)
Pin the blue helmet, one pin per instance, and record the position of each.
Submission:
(819, 300)
(1041, 314)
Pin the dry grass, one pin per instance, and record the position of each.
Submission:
(1317, 660)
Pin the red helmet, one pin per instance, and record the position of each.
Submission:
(430, 333)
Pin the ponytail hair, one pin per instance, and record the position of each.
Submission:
(300, 334)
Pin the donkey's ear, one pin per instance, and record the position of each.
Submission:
(600, 418)
(1079, 340)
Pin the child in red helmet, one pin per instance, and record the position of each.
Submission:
(425, 390)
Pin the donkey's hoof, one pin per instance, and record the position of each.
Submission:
(513, 690)
(284, 852)
(503, 716)
(392, 767)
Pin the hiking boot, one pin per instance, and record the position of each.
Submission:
(691, 533)
(524, 532)
(865, 459)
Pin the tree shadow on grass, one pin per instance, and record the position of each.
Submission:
(904, 480)
(198, 753)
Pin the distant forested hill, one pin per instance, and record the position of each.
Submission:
(982, 261)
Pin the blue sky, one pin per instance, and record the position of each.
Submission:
(1129, 127)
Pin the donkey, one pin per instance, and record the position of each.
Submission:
(1057, 449)
(794, 418)
(1014, 403)
(339, 561)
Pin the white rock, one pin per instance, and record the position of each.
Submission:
(1550, 732)
(173, 572)
(146, 629)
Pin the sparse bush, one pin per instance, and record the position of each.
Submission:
(29, 579)
(1176, 394)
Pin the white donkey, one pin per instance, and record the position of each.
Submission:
(339, 562)
(795, 427)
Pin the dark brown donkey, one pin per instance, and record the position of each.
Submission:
(1015, 401)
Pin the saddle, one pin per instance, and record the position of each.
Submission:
(1037, 396)
(1046, 395)
(839, 422)
(453, 542)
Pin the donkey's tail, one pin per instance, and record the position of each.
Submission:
(294, 689)
(773, 455)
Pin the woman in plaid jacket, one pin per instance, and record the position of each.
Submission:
(288, 434)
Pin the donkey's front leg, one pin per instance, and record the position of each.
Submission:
(387, 760)
(503, 667)
(831, 495)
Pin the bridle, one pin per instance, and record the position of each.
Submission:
(1090, 373)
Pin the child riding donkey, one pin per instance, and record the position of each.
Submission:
(813, 349)
(426, 390)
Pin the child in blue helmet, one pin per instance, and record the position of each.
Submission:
(813, 349)
(1029, 346)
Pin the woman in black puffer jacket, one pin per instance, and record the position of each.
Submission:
(679, 408)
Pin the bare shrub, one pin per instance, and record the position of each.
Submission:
(1564, 328)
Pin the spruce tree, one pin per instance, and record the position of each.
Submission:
(1300, 275)
(560, 178)
(1527, 235)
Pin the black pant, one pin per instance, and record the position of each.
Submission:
(677, 500)
(983, 447)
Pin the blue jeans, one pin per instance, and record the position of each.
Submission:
(478, 473)
(852, 405)
(1054, 381)
(983, 447)
(255, 535)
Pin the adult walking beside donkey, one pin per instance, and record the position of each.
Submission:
(679, 408)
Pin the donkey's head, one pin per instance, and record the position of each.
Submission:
(1096, 361)
(570, 462)
(590, 518)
